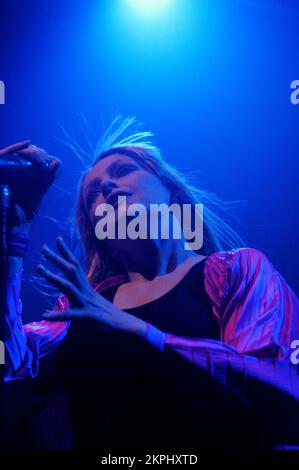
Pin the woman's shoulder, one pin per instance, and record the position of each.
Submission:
(239, 261)
(257, 308)
(242, 255)
(230, 270)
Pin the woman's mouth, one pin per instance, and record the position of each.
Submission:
(114, 199)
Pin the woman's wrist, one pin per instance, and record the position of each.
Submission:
(131, 324)
(126, 322)
(17, 244)
(17, 247)
(155, 336)
(149, 332)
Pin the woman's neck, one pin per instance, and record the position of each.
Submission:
(147, 259)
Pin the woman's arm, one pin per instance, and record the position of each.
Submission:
(259, 318)
(25, 345)
(250, 299)
(248, 377)
(258, 315)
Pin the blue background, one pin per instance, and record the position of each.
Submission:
(210, 78)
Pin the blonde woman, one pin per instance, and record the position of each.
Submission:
(156, 345)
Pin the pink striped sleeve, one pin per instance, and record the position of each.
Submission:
(260, 312)
(259, 318)
(26, 344)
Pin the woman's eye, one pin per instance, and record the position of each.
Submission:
(124, 170)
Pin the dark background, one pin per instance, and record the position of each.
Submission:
(210, 78)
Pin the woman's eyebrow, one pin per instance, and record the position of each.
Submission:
(116, 164)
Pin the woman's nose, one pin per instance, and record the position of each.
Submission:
(107, 186)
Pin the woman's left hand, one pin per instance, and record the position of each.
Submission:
(85, 302)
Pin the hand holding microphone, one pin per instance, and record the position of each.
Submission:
(29, 171)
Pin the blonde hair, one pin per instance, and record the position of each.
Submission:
(124, 136)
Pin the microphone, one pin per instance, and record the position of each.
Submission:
(12, 167)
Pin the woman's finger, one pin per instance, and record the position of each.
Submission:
(40, 156)
(68, 269)
(66, 315)
(66, 252)
(62, 284)
(33, 153)
(61, 316)
(15, 147)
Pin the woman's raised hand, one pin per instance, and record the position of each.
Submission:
(85, 302)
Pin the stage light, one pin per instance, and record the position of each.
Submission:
(149, 7)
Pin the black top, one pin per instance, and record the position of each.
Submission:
(126, 393)
(184, 311)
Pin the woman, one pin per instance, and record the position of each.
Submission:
(156, 344)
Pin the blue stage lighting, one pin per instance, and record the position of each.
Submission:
(149, 7)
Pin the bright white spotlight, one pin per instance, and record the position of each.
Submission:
(149, 7)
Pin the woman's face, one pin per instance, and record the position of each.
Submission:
(117, 175)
